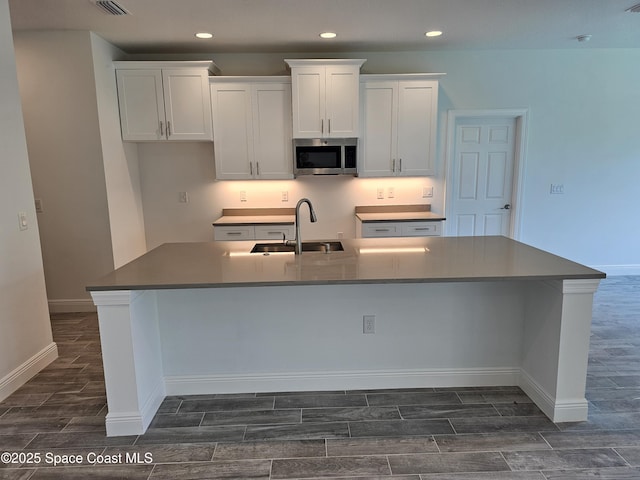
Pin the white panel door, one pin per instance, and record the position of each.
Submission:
(342, 105)
(483, 176)
(416, 131)
(272, 130)
(187, 104)
(141, 104)
(232, 122)
(378, 139)
(308, 102)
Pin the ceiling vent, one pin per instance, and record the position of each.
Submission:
(111, 8)
(634, 9)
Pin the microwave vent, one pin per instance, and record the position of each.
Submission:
(111, 8)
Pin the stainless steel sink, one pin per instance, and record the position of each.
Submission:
(324, 247)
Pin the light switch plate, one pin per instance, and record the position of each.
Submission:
(391, 192)
(380, 193)
(22, 219)
(557, 189)
(427, 192)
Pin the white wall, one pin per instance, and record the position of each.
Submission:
(25, 332)
(167, 169)
(582, 133)
(122, 175)
(87, 179)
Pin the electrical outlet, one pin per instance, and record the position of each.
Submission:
(391, 192)
(39, 208)
(557, 189)
(369, 324)
(340, 234)
(285, 196)
(427, 192)
(380, 193)
(183, 197)
(243, 195)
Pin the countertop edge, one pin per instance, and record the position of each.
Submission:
(102, 288)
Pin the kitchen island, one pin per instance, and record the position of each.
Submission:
(201, 318)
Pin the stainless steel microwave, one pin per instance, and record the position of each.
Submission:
(325, 156)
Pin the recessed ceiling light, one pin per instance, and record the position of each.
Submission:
(433, 33)
(204, 35)
(328, 35)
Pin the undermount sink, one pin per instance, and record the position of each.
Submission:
(324, 247)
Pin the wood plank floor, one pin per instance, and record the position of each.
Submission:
(418, 434)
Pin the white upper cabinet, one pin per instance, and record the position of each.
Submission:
(252, 125)
(325, 97)
(398, 125)
(164, 100)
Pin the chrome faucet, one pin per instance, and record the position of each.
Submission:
(312, 214)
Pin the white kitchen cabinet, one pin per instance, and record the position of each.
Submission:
(400, 229)
(398, 125)
(252, 127)
(253, 232)
(162, 101)
(325, 97)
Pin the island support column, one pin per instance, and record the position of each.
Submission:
(556, 346)
(131, 355)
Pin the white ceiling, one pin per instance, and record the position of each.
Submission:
(167, 26)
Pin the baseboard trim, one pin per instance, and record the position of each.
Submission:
(135, 423)
(355, 380)
(71, 305)
(575, 410)
(21, 375)
(618, 270)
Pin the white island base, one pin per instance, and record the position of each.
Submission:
(182, 341)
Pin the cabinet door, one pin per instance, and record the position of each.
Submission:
(232, 122)
(141, 103)
(308, 97)
(241, 232)
(421, 229)
(417, 115)
(187, 104)
(342, 106)
(274, 232)
(381, 229)
(378, 139)
(271, 110)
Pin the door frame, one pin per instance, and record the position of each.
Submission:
(521, 116)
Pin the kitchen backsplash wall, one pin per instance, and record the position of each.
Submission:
(168, 169)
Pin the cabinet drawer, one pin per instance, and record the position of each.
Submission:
(421, 229)
(381, 229)
(234, 233)
(274, 232)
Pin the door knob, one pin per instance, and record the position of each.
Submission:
(507, 206)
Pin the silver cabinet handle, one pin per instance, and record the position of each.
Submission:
(258, 169)
(382, 229)
(393, 165)
(250, 168)
(168, 128)
(422, 229)
(161, 128)
(329, 126)
(234, 233)
(400, 166)
(322, 126)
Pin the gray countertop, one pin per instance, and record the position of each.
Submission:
(365, 260)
